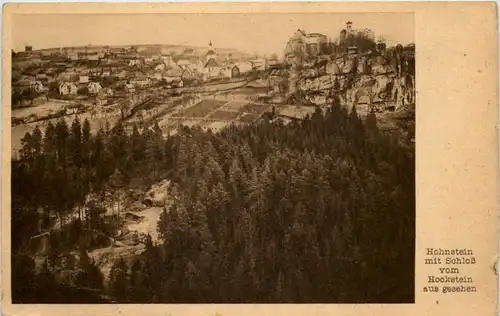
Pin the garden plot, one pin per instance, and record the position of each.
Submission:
(201, 109)
(233, 106)
(224, 115)
(248, 118)
(253, 108)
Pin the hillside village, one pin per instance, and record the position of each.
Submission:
(111, 83)
(170, 114)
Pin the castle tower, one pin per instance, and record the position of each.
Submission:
(348, 27)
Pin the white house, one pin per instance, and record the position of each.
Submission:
(67, 88)
(94, 87)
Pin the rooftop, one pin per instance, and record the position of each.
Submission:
(212, 63)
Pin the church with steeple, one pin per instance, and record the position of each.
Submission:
(212, 67)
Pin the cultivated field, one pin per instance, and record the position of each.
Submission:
(253, 108)
(248, 118)
(201, 109)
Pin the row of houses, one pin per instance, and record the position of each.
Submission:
(127, 68)
(94, 88)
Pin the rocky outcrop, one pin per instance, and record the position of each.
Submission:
(378, 80)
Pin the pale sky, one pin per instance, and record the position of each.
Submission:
(253, 33)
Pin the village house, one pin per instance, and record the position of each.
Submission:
(135, 62)
(67, 88)
(184, 62)
(41, 76)
(244, 67)
(258, 64)
(141, 82)
(157, 76)
(271, 62)
(129, 88)
(86, 72)
(167, 59)
(189, 72)
(84, 79)
(23, 85)
(38, 87)
(94, 87)
(123, 74)
(93, 59)
(65, 76)
(73, 56)
(316, 44)
(160, 67)
(212, 69)
(174, 75)
(106, 92)
(332, 68)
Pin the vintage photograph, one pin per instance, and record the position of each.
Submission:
(213, 158)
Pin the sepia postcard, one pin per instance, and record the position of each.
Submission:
(250, 159)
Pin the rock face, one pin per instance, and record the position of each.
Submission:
(381, 80)
(157, 195)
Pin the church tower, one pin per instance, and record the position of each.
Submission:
(210, 53)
